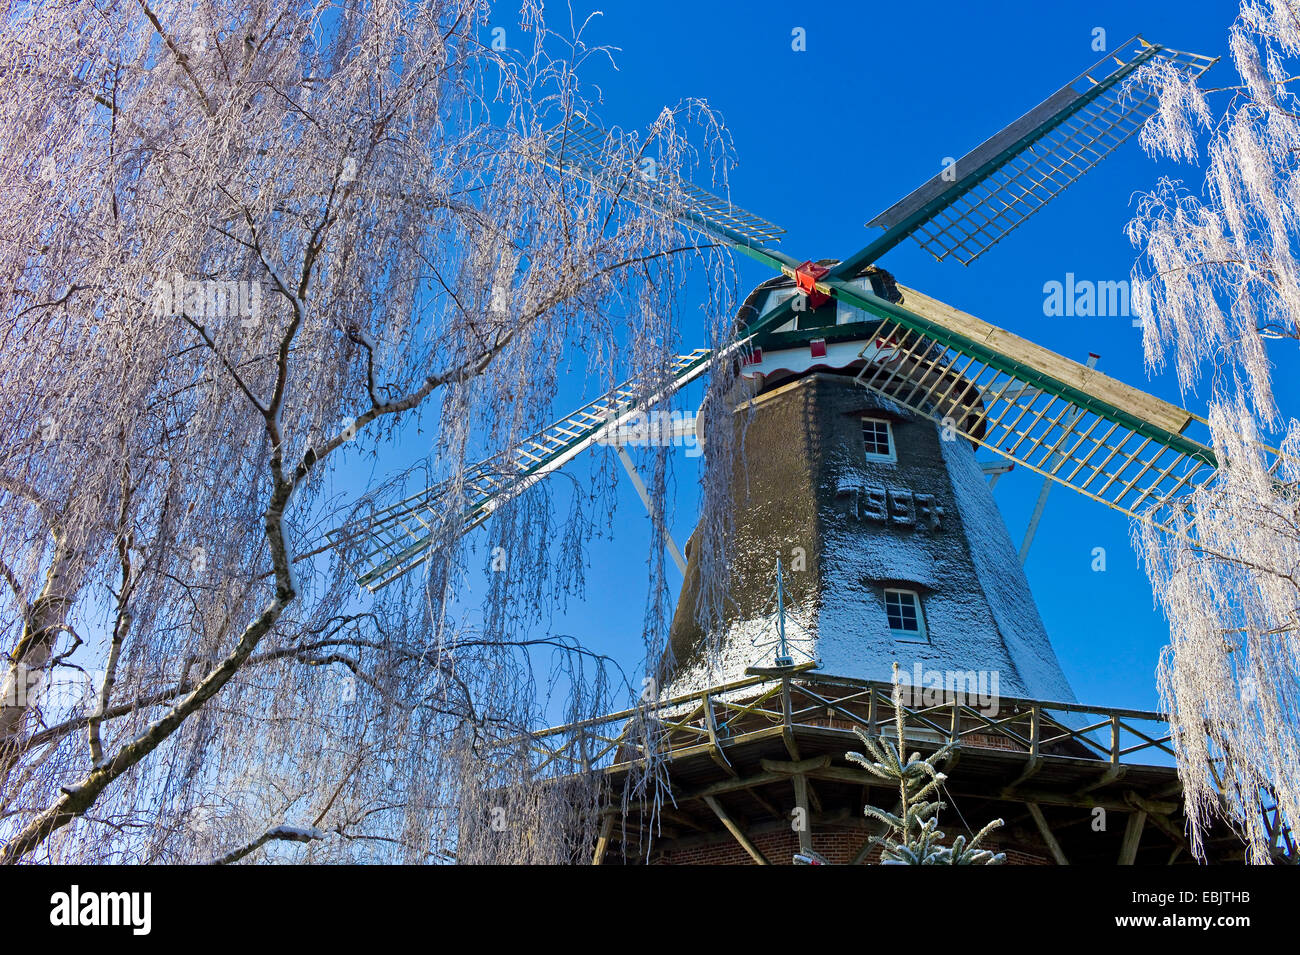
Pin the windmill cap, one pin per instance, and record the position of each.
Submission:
(882, 284)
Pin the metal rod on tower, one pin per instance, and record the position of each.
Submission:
(783, 658)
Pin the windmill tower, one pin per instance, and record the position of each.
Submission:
(891, 545)
(867, 533)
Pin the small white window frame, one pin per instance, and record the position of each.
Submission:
(922, 633)
(892, 456)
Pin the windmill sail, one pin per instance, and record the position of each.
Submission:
(1073, 424)
(388, 543)
(582, 149)
(1007, 179)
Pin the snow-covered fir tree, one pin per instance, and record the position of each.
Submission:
(913, 836)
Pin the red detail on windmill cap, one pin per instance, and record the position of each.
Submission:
(818, 347)
(806, 277)
(754, 357)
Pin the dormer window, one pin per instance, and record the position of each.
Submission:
(878, 440)
(903, 609)
(777, 297)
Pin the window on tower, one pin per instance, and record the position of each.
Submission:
(878, 440)
(903, 608)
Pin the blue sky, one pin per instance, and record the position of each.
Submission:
(829, 137)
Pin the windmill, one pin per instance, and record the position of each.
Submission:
(891, 391)
(1073, 425)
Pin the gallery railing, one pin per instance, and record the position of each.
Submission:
(712, 721)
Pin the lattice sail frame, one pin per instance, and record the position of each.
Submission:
(388, 543)
(1013, 175)
(1015, 400)
(583, 149)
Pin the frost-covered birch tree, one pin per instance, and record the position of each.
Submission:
(248, 246)
(1218, 287)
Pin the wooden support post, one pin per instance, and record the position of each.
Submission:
(735, 830)
(1158, 819)
(787, 718)
(1035, 761)
(800, 768)
(602, 843)
(1035, 729)
(1053, 846)
(801, 804)
(1132, 836)
(715, 747)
